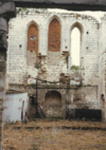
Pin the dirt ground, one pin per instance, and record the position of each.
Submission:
(55, 135)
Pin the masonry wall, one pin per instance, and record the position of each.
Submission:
(77, 98)
(52, 61)
(18, 36)
(102, 55)
(102, 65)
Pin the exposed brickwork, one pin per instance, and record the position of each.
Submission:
(54, 43)
(33, 38)
(55, 62)
(54, 36)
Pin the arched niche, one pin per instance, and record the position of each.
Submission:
(53, 98)
(33, 38)
(32, 44)
(54, 42)
(54, 36)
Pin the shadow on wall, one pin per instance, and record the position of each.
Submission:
(53, 99)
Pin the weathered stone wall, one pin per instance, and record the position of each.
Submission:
(89, 46)
(84, 97)
(17, 71)
(102, 66)
(53, 60)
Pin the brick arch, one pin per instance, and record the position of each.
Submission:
(33, 38)
(54, 17)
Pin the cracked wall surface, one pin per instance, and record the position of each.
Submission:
(18, 30)
(52, 61)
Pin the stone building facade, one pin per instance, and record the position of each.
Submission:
(40, 47)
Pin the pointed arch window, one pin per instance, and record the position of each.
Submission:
(54, 42)
(75, 47)
(76, 43)
(54, 36)
(33, 38)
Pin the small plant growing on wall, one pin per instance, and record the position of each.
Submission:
(22, 10)
(73, 67)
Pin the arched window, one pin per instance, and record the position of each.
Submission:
(54, 36)
(75, 47)
(32, 46)
(33, 38)
(54, 42)
(76, 42)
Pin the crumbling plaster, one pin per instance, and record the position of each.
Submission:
(18, 28)
(86, 84)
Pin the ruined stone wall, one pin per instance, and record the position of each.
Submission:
(102, 55)
(52, 62)
(17, 51)
(84, 97)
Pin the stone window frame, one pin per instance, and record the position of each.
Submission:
(79, 26)
(26, 32)
(60, 22)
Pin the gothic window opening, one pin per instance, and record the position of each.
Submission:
(54, 36)
(54, 42)
(33, 38)
(32, 46)
(75, 47)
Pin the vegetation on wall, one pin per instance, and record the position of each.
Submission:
(22, 10)
(73, 67)
(26, 11)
